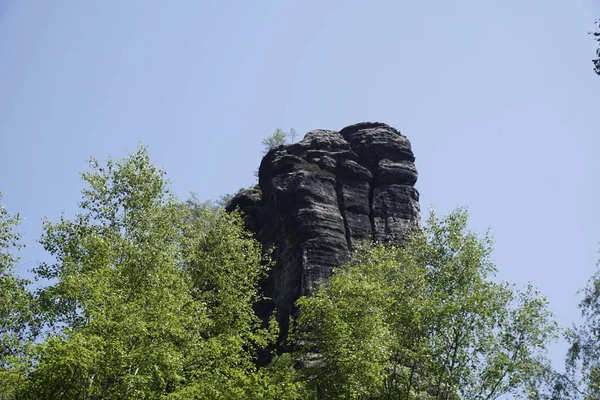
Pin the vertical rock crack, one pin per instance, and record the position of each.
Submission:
(371, 216)
(342, 208)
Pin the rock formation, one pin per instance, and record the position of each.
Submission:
(318, 198)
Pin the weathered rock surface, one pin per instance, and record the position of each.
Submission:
(318, 198)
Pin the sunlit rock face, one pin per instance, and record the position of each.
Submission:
(318, 198)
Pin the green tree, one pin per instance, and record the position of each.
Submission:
(582, 380)
(424, 321)
(596, 61)
(278, 138)
(16, 329)
(150, 298)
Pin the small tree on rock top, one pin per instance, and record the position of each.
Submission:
(278, 138)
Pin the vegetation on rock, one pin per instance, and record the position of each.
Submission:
(276, 139)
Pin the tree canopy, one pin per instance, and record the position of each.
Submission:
(582, 380)
(596, 60)
(276, 139)
(16, 313)
(424, 321)
(149, 297)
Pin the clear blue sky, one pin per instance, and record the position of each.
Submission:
(498, 99)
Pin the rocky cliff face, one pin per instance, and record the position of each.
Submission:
(318, 198)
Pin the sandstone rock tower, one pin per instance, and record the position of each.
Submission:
(318, 198)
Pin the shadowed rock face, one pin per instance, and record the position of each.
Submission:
(318, 198)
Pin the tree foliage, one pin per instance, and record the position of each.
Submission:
(276, 139)
(149, 298)
(16, 313)
(582, 380)
(596, 61)
(424, 321)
